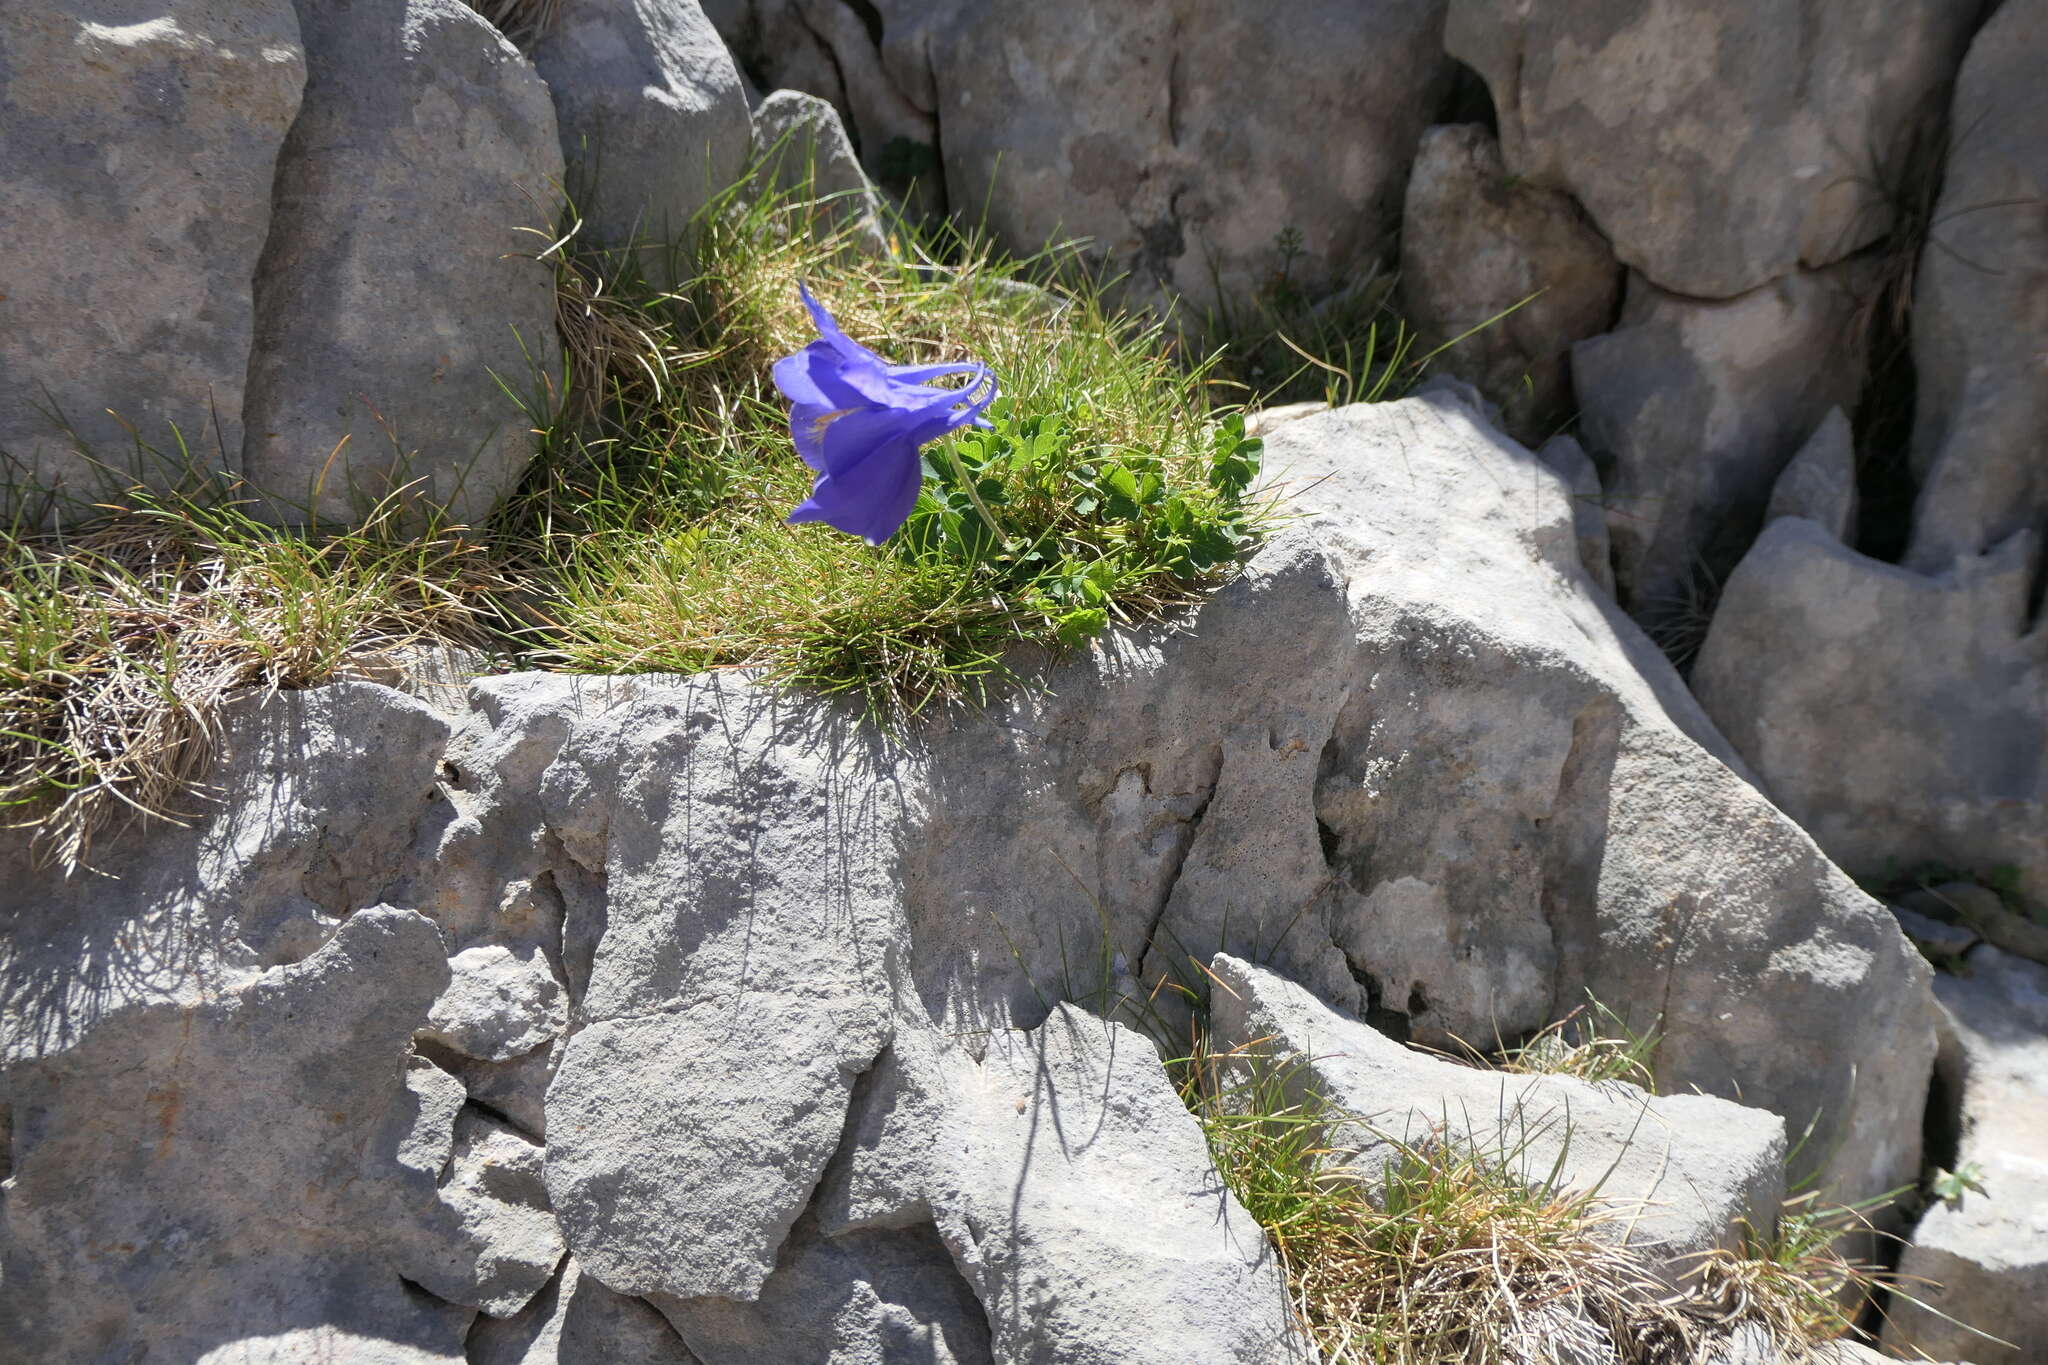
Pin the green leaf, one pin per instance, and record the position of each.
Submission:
(1085, 624)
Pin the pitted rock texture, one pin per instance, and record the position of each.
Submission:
(1679, 1171)
(397, 290)
(139, 150)
(1132, 125)
(1718, 147)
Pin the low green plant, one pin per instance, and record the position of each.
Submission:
(1592, 1043)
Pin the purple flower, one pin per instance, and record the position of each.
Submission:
(859, 421)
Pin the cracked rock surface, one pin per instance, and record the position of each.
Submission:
(775, 1025)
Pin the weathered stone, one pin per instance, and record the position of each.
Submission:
(1700, 406)
(1939, 941)
(213, 1178)
(499, 1004)
(1074, 1190)
(1131, 125)
(1521, 802)
(652, 113)
(1899, 717)
(1980, 305)
(1820, 483)
(1589, 506)
(738, 989)
(318, 794)
(577, 1321)
(872, 64)
(1475, 244)
(516, 1089)
(865, 1298)
(1678, 1171)
(800, 141)
(138, 158)
(477, 1230)
(399, 296)
(1982, 1261)
(1719, 147)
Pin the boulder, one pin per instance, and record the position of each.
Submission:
(1570, 461)
(218, 1179)
(500, 1004)
(653, 118)
(1718, 147)
(139, 154)
(1074, 1191)
(1676, 1172)
(802, 146)
(1820, 483)
(400, 304)
(1133, 126)
(1901, 718)
(1981, 1261)
(870, 62)
(1980, 306)
(1698, 406)
(577, 1321)
(867, 1296)
(739, 987)
(1475, 244)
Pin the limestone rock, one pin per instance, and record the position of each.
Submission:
(1520, 802)
(1679, 1170)
(1820, 483)
(1589, 506)
(398, 290)
(1986, 1255)
(1133, 126)
(1980, 305)
(652, 113)
(139, 153)
(865, 1298)
(1899, 717)
(1701, 405)
(577, 1321)
(1074, 1191)
(1715, 150)
(499, 1005)
(268, 1124)
(801, 141)
(1475, 244)
(318, 795)
(738, 989)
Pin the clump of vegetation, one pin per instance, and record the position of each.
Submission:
(1106, 490)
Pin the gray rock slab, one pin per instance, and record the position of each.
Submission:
(577, 1321)
(1820, 483)
(500, 1003)
(1133, 126)
(1475, 245)
(1715, 154)
(1980, 305)
(269, 1124)
(653, 118)
(141, 144)
(739, 986)
(863, 1298)
(1899, 717)
(1700, 405)
(803, 149)
(316, 796)
(399, 297)
(1589, 506)
(1521, 802)
(1675, 1172)
(1983, 1260)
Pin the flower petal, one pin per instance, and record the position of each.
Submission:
(870, 497)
